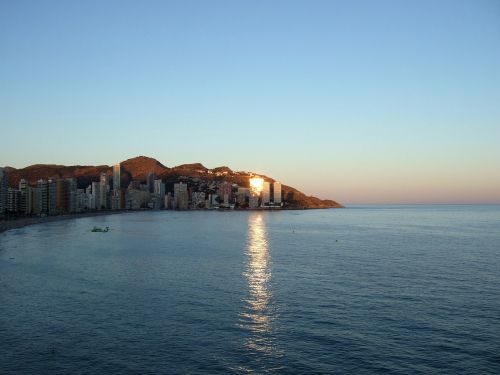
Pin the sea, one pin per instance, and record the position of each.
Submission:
(360, 290)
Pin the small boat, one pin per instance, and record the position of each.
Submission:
(97, 229)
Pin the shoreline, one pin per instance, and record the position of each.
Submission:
(6, 225)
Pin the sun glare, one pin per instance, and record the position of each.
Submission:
(256, 184)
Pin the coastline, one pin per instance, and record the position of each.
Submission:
(6, 225)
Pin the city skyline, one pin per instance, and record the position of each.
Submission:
(352, 101)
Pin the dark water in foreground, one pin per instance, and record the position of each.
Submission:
(413, 289)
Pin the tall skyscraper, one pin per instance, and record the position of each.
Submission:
(266, 193)
(61, 196)
(52, 196)
(95, 199)
(26, 203)
(72, 195)
(160, 192)
(42, 198)
(4, 187)
(117, 175)
(277, 193)
(151, 182)
(103, 190)
(35, 193)
(13, 200)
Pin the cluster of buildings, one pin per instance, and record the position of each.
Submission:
(55, 196)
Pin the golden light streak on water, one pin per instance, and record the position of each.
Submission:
(258, 315)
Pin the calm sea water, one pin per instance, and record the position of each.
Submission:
(403, 289)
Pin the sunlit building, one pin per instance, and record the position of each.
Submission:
(117, 175)
(265, 193)
(277, 193)
(256, 186)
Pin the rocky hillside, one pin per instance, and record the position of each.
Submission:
(138, 168)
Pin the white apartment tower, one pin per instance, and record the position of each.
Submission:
(277, 193)
(266, 193)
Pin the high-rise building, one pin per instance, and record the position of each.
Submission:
(277, 193)
(159, 192)
(62, 196)
(159, 188)
(26, 202)
(266, 193)
(35, 193)
(103, 190)
(151, 182)
(52, 196)
(42, 197)
(72, 195)
(81, 200)
(4, 188)
(95, 199)
(13, 200)
(181, 198)
(117, 175)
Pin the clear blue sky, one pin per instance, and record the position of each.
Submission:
(359, 101)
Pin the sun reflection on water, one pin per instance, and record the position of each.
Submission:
(258, 315)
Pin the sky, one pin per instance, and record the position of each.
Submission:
(357, 101)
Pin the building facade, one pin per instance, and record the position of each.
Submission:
(277, 193)
(181, 197)
(103, 191)
(117, 175)
(4, 188)
(265, 194)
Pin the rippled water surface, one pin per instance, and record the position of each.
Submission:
(408, 289)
